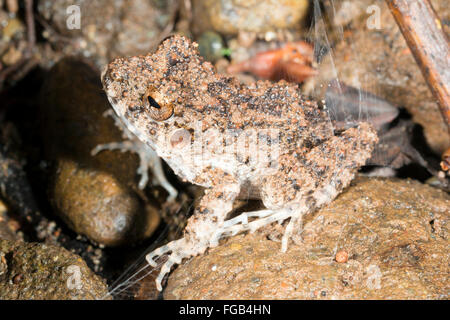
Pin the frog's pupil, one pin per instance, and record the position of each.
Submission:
(153, 103)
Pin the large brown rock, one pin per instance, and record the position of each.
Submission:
(389, 236)
(94, 195)
(42, 272)
(229, 17)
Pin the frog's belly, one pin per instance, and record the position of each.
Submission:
(191, 167)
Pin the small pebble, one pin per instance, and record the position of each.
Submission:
(17, 278)
(342, 256)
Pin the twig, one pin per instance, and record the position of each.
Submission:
(188, 7)
(53, 34)
(168, 28)
(10, 70)
(31, 30)
(429, 45)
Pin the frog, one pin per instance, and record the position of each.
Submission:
(263, 140)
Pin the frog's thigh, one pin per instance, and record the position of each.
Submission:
(320, 174)
(282, 188)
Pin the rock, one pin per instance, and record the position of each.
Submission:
(108, 28)
(8, 227)
(211, 46)
(392, 233)
(229, 17)
(13, 47)
(94, 195)
(42, 272)
(143, 26)
(11, 56)
(97, 22)
(11, 28)
(15, 188)
(379, 61)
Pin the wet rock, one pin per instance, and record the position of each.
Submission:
(211, 46)
(381, 239)
(20, 217)
(38, 271)
(378, 60)
(229, 17)
(94, 195)
(106, 28)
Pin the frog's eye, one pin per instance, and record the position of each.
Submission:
(158, 106)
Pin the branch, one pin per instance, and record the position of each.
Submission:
(429, 45)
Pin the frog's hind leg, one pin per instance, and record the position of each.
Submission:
(326, 170)
(243, 218)
(314, 187)
(200, 232)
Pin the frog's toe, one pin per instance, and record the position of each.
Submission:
(288, 233)
(174, 247)
(174, 258)
(176, 251)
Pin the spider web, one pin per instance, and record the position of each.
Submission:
(138, 279)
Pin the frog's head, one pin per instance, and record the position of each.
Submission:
(150, 93)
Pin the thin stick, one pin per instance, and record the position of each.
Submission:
(31, 30)
(429, 45)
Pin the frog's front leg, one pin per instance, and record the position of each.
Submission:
(202, 230)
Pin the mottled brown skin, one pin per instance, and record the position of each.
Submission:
(174, 93)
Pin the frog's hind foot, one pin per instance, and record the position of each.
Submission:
(262, 218)
(178, 249)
